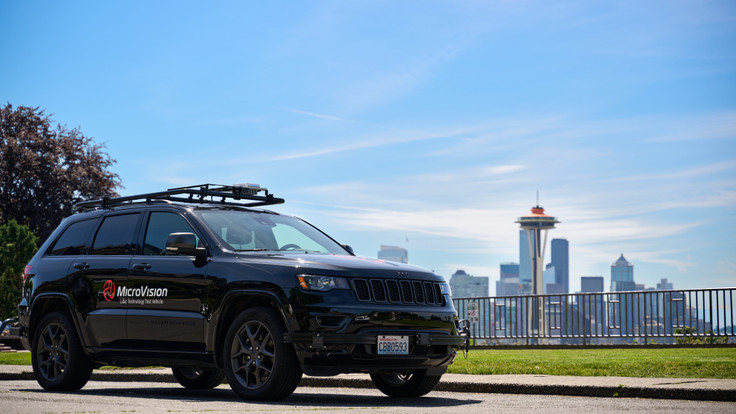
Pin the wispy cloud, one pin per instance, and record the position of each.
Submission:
(706, 127)
(315, 115)
(395, 82)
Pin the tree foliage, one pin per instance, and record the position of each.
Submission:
(44, 169)
(17, 246)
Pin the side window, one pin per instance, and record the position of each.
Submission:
(160, 225)
(115, 235)
(74, 239)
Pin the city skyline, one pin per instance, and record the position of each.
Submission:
(425, 126)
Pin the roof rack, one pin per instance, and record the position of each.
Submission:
(201, 194)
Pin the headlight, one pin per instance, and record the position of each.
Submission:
(445, 289)
(322, 283)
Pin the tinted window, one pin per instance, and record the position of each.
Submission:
(115, 235)
(74, 239)
(160, 225)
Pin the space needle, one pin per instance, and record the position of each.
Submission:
(535, 224)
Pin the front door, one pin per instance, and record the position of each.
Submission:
(165, 291)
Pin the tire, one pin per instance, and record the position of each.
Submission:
(59, 362)
(405, 384)
(195, 379)
(258, 364)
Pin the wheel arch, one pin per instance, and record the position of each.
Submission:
(236, 302)
(46, 303)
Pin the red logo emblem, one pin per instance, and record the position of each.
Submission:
(108, 290)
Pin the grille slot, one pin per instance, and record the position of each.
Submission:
(428, 293)
(379, 291)
(362, 291)
(418, 291)
(406, 294)
(394, 295)
(438, 294)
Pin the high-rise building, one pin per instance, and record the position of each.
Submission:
(393, 254)
(525, 263)
(664, 285)
(464, 285)
(550, 287)
(560, 259)
(590, 284)
(591, 308)
(624, 309)
(508, 285)
(622, 275)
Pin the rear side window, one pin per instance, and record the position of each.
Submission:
(115, 235)
(74, 239)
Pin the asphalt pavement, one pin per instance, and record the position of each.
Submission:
(624, 387)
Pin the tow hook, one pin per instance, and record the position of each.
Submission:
(463, 327)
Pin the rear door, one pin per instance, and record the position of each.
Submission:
(165, 307)
(105, 269)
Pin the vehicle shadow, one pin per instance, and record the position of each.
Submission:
(303, 399)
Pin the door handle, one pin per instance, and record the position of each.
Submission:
(81, 265)
(141, 266)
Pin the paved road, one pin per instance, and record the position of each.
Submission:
(24, 396)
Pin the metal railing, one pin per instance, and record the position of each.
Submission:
(640, 317)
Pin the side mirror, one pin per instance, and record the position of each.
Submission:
(183, 243)
(348, 248)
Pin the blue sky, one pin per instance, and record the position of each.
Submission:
(429, 125)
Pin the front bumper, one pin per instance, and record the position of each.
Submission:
(333, 353)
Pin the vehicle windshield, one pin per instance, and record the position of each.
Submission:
(251, 231)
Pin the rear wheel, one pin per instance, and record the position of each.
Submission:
(258, 364)
(405, 384)
(59, 362)
(198, 379)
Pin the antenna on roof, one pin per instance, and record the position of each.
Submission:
(537, 197)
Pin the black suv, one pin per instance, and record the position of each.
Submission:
(197, 279)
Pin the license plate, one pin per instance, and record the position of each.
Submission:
(393, 345)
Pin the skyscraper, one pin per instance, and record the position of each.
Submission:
(561, 261)
(464, 285)
(590, 284)
(664, 285)
(508, 285)
(525, 263)
(394, 254)
(625, 312)
(622, 275)
(591, 308)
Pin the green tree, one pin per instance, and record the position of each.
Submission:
(44, 169)
(17, 246)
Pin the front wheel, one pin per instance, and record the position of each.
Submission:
(198, 379)
(258, 364)
(59, 362)
(405, 384)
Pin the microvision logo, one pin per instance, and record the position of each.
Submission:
(108, 290)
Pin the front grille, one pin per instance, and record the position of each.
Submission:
(413, 292)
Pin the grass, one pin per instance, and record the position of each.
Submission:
(15, 358)
(627, 362)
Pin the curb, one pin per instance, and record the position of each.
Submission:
(703, 394)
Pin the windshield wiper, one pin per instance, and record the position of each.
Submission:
(252, 250)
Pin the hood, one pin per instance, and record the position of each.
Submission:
(331, 264)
